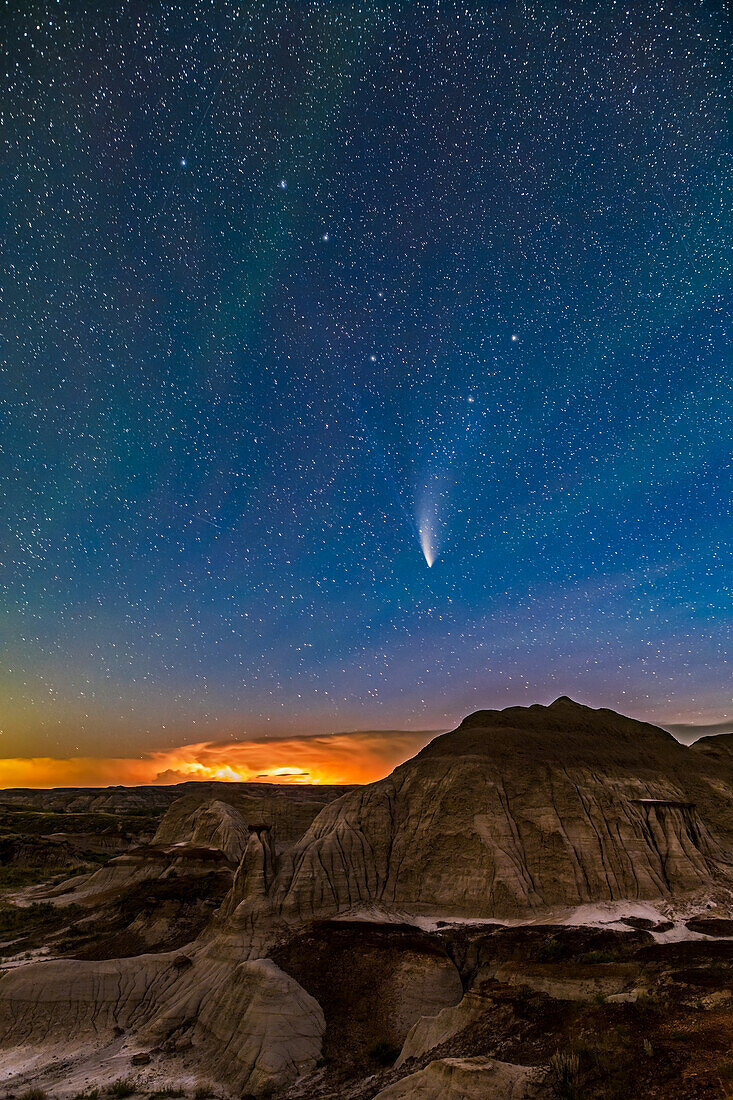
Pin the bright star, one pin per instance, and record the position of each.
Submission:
(283, 184)
(183, 162)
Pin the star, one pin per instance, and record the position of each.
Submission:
(189, 342)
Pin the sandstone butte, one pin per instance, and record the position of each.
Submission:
(515, 815)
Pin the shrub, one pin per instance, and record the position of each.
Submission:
(597, 957)
(650, 1001)
(550, 950)
(564, 1074)
(122, 1087)
(34, 1094)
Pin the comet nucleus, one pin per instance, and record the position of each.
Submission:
(427, 543)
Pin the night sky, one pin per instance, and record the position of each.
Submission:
(299, 298)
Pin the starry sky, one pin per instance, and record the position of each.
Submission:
(361, 365)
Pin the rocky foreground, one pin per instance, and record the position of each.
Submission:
(538, 904)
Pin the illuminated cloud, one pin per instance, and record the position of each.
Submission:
(359, 757)
(689, 732)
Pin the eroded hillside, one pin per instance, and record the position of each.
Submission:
(537, 905)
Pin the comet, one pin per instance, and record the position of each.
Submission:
(442, 472)
(427, 543)
(430, 529)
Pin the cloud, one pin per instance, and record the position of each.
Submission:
(688, 733)
(359, 757)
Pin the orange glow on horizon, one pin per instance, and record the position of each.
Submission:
(360, 757)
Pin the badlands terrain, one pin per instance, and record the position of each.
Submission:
(539, 904)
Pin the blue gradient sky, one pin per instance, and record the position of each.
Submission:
(277, 278)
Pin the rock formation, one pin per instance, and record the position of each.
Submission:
(252, 1023)
(214, 824)
(431, 1031)
(223, 815)
(515, 812)
(466, 1079)
(261, 1028)
(198, 835)
(718, 748)
(373, 982)
(349, 919)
